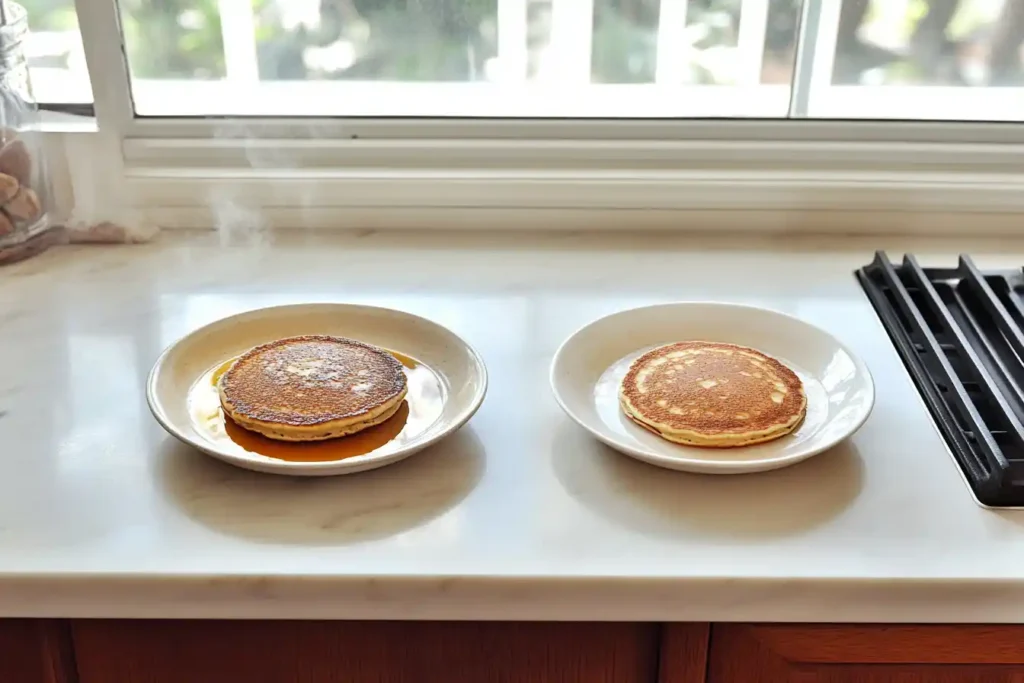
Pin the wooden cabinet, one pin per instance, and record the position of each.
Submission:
(367, 652)
(683, 655)
(35, 651)
(84, 651)
(742, 653)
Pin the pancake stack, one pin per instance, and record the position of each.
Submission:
(712, 395)
(312, 388)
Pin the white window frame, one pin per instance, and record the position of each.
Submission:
(360, 172)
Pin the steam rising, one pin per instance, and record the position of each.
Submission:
(242, 220)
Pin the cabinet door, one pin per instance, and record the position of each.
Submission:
(742, 653)
(34, 651)
(364, 652)
(684, 653)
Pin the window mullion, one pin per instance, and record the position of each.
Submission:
(238, 32)
(750, 41)
(513, 56)
(102, 196)
(572, 35)
(810, 48)
(107, 64)
(671, 46)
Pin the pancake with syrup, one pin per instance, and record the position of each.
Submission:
(312, 388)
(712, 395)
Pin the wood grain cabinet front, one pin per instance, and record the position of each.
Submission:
(364, 652)
(741, 653)
(35, 651)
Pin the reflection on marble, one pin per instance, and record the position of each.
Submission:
(414, 503)
(751, 509)
(520, 515)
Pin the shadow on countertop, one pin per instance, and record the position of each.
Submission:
(324, 511)
(654, 500)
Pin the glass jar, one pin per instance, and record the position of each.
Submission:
(25, 191)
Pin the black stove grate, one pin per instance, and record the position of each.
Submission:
(958, 332)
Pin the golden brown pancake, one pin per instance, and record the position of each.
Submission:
(312, 388)
(712, 394)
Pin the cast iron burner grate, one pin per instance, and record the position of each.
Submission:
(958, 332)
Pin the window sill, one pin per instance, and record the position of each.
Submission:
(768, 201)
(58, 122)
(815, 186)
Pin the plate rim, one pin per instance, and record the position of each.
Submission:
(330, 467)
(712, 467)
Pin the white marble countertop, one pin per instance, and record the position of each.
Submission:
(519, 516)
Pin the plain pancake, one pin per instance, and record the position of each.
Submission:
(312, 388)
(712, 394)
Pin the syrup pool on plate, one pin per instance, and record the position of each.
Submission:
(420, 409)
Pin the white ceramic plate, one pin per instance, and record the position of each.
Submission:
(588, 368)
(447, 383)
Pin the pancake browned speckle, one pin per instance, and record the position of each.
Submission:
(311, 387)
(712, 394)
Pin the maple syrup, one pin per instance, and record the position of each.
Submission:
(420, 409)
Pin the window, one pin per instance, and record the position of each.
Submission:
(428, 112)
(932, 43)
(915, 59)
(55, 54)
(900, 59)
(491, 58)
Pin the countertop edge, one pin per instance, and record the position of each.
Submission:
(796, 600)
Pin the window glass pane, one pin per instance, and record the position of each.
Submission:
(708, 43)
(930, 42)
(55, 55)
(427, 40)
(910, 59)
(500, 58)
(173, 39)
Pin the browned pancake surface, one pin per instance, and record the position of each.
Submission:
(712, 392)
(309, 380)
